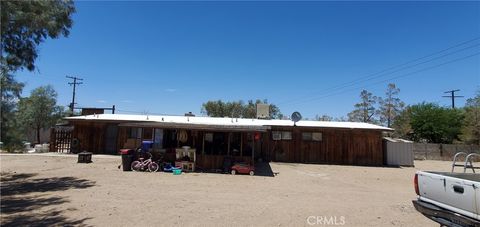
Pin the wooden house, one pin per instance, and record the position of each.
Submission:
(248, 140)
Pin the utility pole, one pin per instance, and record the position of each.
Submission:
(74, 83)
(453, 96)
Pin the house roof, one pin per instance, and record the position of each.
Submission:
(218, 123)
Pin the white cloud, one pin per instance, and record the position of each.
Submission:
(126, 101)
(101, 101)
(170, 90)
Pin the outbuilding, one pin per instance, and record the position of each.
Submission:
(398, 152)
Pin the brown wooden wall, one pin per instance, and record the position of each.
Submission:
(91, 136)
(338, 146)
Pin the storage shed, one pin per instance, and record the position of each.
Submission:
(398, 152)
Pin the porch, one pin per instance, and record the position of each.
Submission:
(212, 145)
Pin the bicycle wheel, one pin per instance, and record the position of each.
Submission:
(153, 167)
(136, 166)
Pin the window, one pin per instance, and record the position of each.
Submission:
(281, 135)
(148, 133)
(169, 138)
(158, 139)
(134, 133)
(317, 136)
(306, 136)
(235, 143)
(276, 135)
(311, 136)
(216, 143)
(209, 137)
(286, 135)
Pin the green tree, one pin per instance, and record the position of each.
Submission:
(39, 110)
(323, 118)
(471, 124)
(390, 106)
(223, 109)
(250, 109)
(237, 109)
(401, 124)
(26, 24)
(341, 119)
(365, 110)
(23, 26)
(435, 124)
(10, 94)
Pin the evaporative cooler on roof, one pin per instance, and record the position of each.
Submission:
(263, 111)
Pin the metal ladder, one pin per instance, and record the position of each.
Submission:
(468, 161)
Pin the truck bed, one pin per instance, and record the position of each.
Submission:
(457, 192)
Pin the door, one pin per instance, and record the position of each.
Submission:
(111, 139)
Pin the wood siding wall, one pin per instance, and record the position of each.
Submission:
(91, 136)
(338, 146)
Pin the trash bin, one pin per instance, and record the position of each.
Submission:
(147, 145)
(127, 159)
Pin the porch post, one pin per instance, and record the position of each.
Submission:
(194, 138)
(241, 144)
(253, 148)
(203, 143)
(228, 146)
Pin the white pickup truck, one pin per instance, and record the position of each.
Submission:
(449, 198)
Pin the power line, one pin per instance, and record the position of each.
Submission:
(392, 78)
(389, 71)
(74, 83)
(452, 96)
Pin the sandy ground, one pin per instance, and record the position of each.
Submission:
(55, 190)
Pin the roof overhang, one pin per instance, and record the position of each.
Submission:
(169, 125)
(218, 124)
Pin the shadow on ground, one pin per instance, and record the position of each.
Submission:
(24, 183)
(20, 208)
(263, 169)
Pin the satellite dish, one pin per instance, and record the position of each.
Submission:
(296, 117)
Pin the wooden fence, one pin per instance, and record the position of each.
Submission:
(61, 139)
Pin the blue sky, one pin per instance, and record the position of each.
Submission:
(170, 57)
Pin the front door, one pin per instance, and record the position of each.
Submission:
(111, 139)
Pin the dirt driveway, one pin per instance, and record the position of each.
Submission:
(55, 190)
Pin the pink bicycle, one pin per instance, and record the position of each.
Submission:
(143, 164)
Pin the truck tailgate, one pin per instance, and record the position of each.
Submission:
(453, 193)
